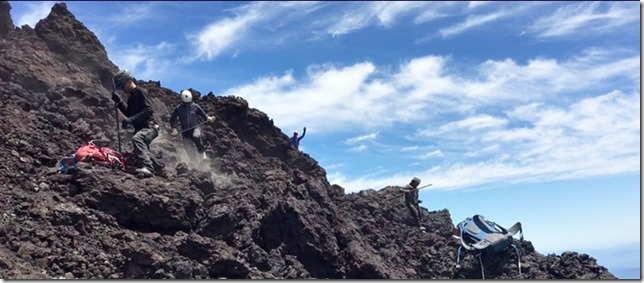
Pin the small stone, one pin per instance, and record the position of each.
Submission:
(69, 275)
(15, 153)
(43, 186)
(159, 274)
(181, 169)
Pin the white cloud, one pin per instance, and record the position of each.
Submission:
(543, 77)
(334, 166)
(494, 148)
(365, 14)
(592, 137)
(362, 138)
(36, 11)
(219, 36)
(541, 128)
(473, 123)
(362, 183)
(269, 24)
(506, 10)
(435, 153)
(351, 21)
(477, 4)
(389, 11)
(251, 22)
(144, 61)
(386, 14)
(437, 10)
(586, 18)
(329, 99)
(333, 99)
(132, 13)
(360, 148)
(471, 22)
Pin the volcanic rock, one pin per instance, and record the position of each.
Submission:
(264, 210)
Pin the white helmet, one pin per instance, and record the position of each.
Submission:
(186, 96)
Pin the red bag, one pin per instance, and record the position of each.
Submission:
(103, 156)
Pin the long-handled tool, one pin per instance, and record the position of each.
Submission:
(425, 186)
(118, 125)
(188, 129)
(419, 188)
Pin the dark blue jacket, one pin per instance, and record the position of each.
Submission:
(189, 115)
(296, 141)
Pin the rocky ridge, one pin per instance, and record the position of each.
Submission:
(258, 209)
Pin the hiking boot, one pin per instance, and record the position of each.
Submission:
(144, 171)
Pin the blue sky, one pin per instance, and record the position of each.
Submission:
(520, 111)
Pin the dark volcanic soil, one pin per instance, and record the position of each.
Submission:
(257, 209)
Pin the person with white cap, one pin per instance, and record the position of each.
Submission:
(295, 141)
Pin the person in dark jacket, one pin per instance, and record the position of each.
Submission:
(191, 117)
(411, 200)
(138, 113)
(295, 141)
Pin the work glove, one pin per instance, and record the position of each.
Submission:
(126, 122)
(116, 98)
(304, 129)
(211, 119)
(174, 132)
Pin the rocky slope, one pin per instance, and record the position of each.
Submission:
(257, 209)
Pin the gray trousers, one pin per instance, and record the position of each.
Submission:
(141, 141)
(192, 142)
(411, 201)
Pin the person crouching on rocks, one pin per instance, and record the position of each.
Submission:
(411, 200)
(191, 117)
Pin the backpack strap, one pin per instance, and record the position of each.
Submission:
(482, 270)
(463, 244)
(519, 251)
(488, 240)
(503, 230)
(485, 225)
(516, 228)
(458, 256)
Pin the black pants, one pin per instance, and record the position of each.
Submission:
(141, 141)
(411, 201)
(192, 142)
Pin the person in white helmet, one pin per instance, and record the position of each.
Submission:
(191, 117)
